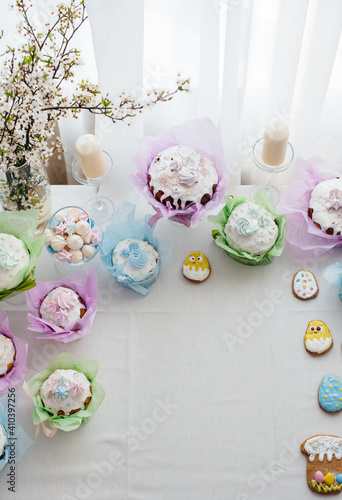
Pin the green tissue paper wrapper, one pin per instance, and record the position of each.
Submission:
(66, 422)
(220, 221)
(22, 225)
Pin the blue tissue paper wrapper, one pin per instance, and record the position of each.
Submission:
(15, 434)
(333, 274)
(121, 226)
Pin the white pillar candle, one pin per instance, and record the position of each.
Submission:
(91, 157)
(276, 137)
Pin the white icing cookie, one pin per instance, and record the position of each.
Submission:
(65, 392)
(14, 257)
(251, 228)
(3, 440)
(184, 174)
(325, 206)
(196, 267)
(7, 354)
(138, 257)
(62, 307)
(304, 285)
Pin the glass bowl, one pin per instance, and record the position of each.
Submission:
(78, 229)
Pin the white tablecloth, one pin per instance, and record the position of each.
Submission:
(209, 390)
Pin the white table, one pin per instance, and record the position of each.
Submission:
(209, 390)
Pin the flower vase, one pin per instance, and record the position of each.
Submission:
(26, 187)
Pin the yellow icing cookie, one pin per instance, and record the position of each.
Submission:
(317, 338)
(196, 267)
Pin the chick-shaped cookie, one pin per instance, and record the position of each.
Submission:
(317, 338)
(196, 267)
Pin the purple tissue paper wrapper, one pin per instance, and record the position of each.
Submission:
(85, 284)
(199, 134)
(17, 373)
(304, 238)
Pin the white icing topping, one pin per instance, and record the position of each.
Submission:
(183, 173)
(131, 271)
(256, 240)
(61, 307)
(7, 353)
(323, 445)
(11, 276)
(65, 390)
(304, 284)
(191, 273)
(326, 202)
(3, 439)
(318, 345)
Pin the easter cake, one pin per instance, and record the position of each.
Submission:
(317, 339)
(181, 175)
(138, 258)
(14, 257)
(65, 392)
(62, 307)
(7, 355)
(251, 228)
(324, 464)
(3, 441)
(325, 206)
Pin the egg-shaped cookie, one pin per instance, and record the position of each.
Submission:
(318, 339)
(304, 285)
(196, 267)
(330, 393)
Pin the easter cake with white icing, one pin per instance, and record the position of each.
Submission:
(138, 258)
(325, 206)
(7, 354)
(65, 392)
(180, 175)
(62, 307)
(251, 228)
(324, 464)
(14, 257)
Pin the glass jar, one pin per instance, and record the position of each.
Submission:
(25, 187)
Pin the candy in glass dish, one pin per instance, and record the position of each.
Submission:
(72, 236)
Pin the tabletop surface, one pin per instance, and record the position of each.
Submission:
(209, 389)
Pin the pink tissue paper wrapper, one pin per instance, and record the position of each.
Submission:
(199, 134)
(17, 373)
(85, 284)
(303, 236)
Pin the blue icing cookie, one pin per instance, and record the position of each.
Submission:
(330, 393)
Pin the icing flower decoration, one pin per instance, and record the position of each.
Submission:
(264, 221)
(61, 315)
(65, 299)
(246, 226)
(253, 212)
(62, 391)
(335, 199)
(175, 166)
(51, 305)
(76, 389)
(188, 176)
(188, 160)
(136, 257)
(7, 260)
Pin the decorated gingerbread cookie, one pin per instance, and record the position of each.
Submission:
(196, 267)
(317, 339)
(304, 285)
(330, 393)
(324, 464)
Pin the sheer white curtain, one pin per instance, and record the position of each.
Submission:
(248, 60)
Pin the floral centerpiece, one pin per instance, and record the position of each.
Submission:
(32, 101)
